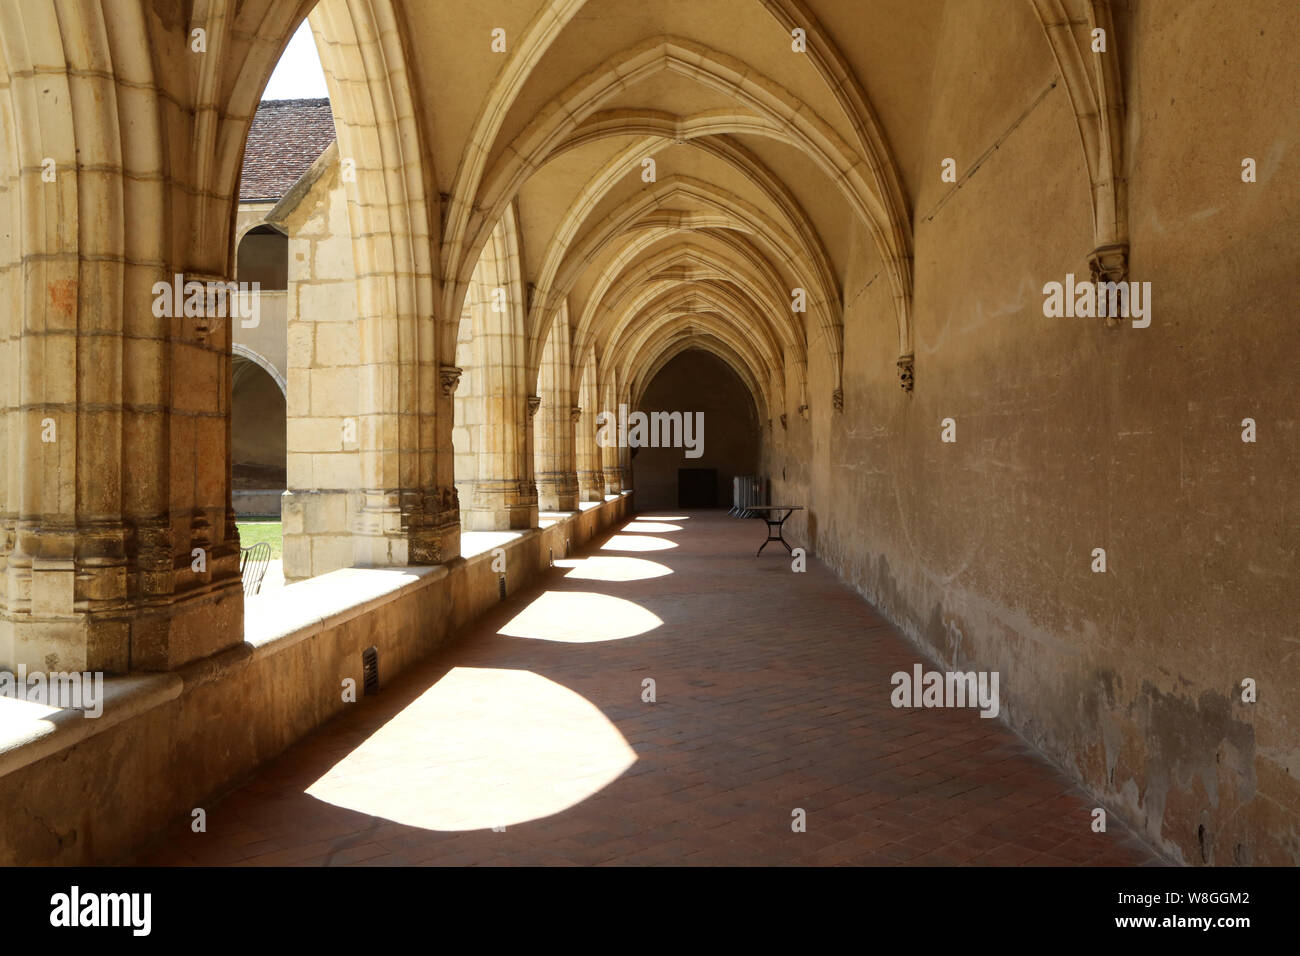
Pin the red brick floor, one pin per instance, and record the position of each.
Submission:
(772, 694)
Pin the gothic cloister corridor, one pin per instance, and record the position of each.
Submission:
(771, 695)
(394, 395)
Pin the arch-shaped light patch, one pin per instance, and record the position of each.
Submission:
(481, 748)
(580, 617)
(637, 542)
(651, 527)
(609, 568)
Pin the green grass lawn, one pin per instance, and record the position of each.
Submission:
(253, 532)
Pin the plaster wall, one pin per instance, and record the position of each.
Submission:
(1071, 436)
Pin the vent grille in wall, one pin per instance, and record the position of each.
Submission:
(370, 670)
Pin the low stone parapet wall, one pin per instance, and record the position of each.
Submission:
(77, 790)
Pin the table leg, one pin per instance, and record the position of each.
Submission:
(775, 525)
(780, 534)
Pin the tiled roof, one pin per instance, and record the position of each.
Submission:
(285, 139)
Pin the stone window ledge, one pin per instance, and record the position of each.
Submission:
(272, 623)
(474, 544)
(278, 620)
(30, 732)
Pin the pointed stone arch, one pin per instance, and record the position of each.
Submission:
(408, 510)
(794, 221)
(1095, 86)
(782, 115)
(671, 339)
(723, 211)
(675, 305)
(537, 37)
(689, 263)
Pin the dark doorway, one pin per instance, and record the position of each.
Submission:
(699, 383)
(697, 487)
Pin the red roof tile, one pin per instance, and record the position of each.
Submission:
(286, 138)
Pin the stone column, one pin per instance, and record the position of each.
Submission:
(323, 407)
(625, 469)
(503, 496)
(554, 457)
(591, 479)
(118, 548)
(370, 451)
(611, 453)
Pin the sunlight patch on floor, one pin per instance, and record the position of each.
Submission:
(636, 542)
(650, 527)
(481, 748)
(608, 568)
(580, 617)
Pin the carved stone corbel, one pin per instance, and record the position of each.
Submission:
(906, 371)
(837, 399)
(204, 324)
(1109, 263)
(449, 375)
(534, 403)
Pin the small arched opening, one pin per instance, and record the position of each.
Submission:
(257, 437)
(263, 258)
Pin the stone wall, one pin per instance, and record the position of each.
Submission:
(1072, 436)
(268, 338)
(86, 791)
(324, 422)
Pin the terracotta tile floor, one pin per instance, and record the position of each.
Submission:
(772, 693)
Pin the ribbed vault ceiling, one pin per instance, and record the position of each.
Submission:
(772, 166)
